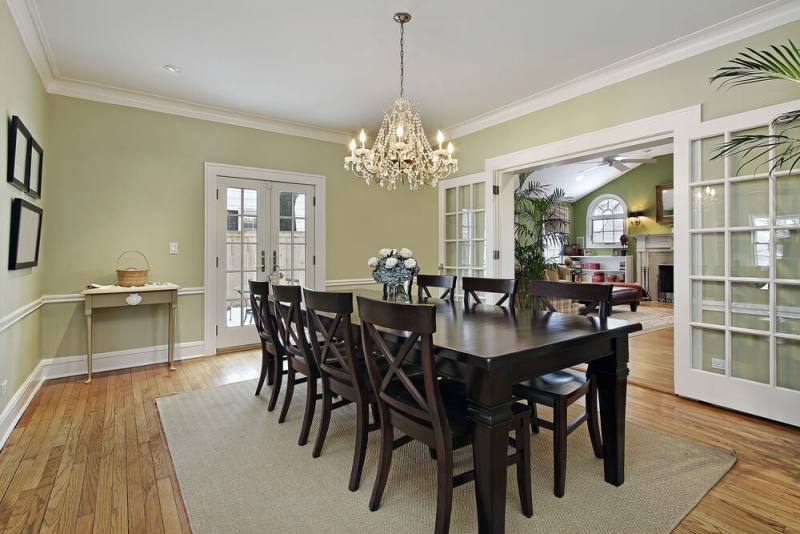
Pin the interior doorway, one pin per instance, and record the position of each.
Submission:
(618, 208)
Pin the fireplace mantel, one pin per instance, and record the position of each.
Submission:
(651, 250)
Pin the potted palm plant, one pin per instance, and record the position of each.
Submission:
(538, 223)
(755, 66)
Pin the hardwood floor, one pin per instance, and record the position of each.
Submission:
(92, 458)
(651, 360)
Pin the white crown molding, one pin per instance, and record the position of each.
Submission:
(125, 97)
(761, 19)
(776, 13)
(26, 16)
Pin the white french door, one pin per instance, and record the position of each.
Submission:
(265, 230)
(466, 227)
(737, 337)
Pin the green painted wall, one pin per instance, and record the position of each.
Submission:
(132, 179)
(675, 86)
(638, 189)
(21, 93)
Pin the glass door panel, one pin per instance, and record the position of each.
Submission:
(293, 257)
(741, 324)
(465, 229)
(243, 238)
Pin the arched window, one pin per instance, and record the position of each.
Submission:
(606, 220)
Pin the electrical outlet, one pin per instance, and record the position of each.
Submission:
(718, 363)
(3, 387)
(173, 248)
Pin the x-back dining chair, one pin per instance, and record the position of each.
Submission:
(443, 281)
(506, 287)
(272, 353)
(562, 388)
(342, 370)
(299, 353)
(431, 411)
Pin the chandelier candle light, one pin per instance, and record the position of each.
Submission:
(401, 152)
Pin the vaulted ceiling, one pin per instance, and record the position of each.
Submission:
(334, 65)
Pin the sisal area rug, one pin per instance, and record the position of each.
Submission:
(240, 471)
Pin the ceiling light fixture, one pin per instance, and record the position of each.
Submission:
(401, 152)
(174, 69)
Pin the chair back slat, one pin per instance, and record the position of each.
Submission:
(446, 282)
(291, 324)
(401, 395)
(336, 354)
(594, 294)
(263, 316)
(507, 287)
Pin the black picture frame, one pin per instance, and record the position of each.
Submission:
(33, 172)
(21, 233)
(18, 147)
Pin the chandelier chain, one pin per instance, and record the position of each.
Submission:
(402, 56)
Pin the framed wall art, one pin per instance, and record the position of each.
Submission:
(33, 177)
(26, 235)
(18, 139)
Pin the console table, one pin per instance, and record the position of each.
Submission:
(117, 297)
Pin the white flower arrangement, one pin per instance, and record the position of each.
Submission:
(393, 267)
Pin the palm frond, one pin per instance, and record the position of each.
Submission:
(752, 147)
(777, 63)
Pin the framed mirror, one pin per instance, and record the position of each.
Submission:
(26, 233)
(665, 204)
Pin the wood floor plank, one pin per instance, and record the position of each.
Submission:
(101, 462)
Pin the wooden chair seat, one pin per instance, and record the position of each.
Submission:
(562, 382)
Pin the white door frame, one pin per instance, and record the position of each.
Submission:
(212, 171)
(490, 220)
(502, 171)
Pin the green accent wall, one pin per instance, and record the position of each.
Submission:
(638, 189)
(22, 94)
(126, 178)
(669, 88)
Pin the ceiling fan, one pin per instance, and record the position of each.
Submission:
(617, 162)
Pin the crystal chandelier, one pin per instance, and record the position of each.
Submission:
(401, 152)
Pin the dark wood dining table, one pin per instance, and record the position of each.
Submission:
(490, 349)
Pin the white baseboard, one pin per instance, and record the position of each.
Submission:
(76, 365)
(118, 359)
(19, 402)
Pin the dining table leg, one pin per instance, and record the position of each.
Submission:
(489, 453)
(611, 374)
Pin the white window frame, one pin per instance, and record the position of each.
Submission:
(591, 218)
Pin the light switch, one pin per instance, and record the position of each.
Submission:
(173, 248)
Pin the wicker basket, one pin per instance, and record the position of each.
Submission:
(132, 276)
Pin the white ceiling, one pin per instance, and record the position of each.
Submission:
(335, 64)
(594, 176)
